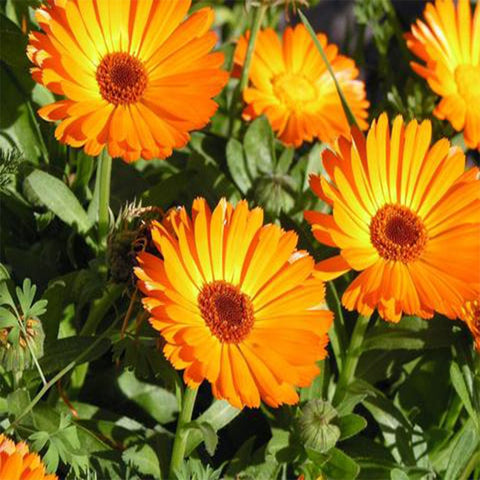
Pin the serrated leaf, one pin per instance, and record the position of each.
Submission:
(5, 297)
(237, 165)
(26, 294)
(7, 318)
(38, 308)
(39, 439)
(143, 458)
(350, 425)
(57, 197)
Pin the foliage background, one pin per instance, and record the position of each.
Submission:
(112, 400)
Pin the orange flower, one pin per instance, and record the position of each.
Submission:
(137, 77)
(17, 463)
(470, 314)
(404, 214)
(449, 44)
(292, 87)
(236, 303)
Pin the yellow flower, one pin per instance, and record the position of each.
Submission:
(17, 463)
(406, 215)
(291, 85)
(449, 44)
(236, 303)
(137, 76)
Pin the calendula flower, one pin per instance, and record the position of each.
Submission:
(406, 215)
(470, 314)
(291, 85)
(236, 303)
(137, 76)
(448, 41)
(18, 463)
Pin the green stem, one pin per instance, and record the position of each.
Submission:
(236, 97)
(104, 170)
(100, 307)
(348, 372)
(346, 108)
(337, 330)
(180, 441)
(471, 466)
(256, 22)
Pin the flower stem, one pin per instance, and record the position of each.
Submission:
(104, 171)
(237, 94)
(180, 442)
(348, 371)
(256, 22)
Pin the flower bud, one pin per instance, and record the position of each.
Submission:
(316, 429)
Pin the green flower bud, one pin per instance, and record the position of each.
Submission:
(15, 354)
(316, 430)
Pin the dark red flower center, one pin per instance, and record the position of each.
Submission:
(122, 78)
(227, 311)
(398, 233)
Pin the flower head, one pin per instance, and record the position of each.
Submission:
(137, 76)
(17, 463)
(236, 303)
(291, 85)
(448, 41)
(406, 215)
(470, 314)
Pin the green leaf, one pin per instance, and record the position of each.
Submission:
(56, 196)
(340, 466)
(26, 294)
(14, 43)
(237, 165)
(17, 402)
(7, 318)
(397, 474)
(5, 297)
(397, 338)
(350, 425)
(143, 458)
(465, 446)
(259, 147)
(155, 400)
(210, 436)
(461, 388)
(219, 414)
(285, 160)
(60, 353)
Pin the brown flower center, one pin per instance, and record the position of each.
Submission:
(227, 311)
(122, 78)
(397, 233)
(467, 78)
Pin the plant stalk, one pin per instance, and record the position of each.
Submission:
(180, 441)
(353, 355)
(237, 94)
(104, 170)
